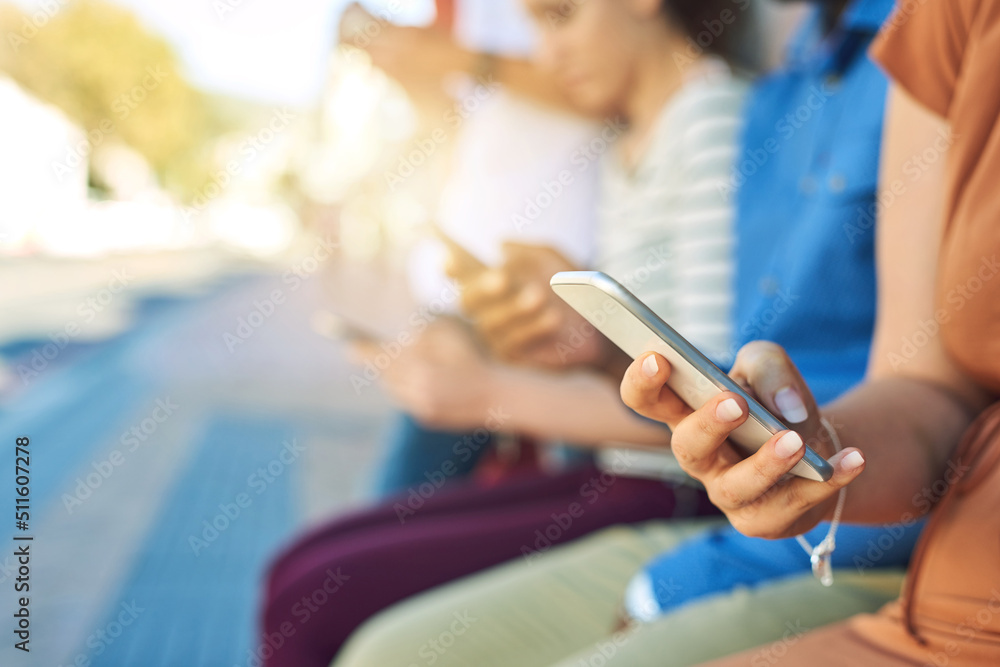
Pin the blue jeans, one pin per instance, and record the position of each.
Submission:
(417, 455)
(723, 558)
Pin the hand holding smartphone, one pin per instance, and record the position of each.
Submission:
(636, 329)
(462, 264)
(353, 22)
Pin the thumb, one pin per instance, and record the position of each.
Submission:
(776, 382)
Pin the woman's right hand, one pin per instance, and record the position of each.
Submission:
(755, 492)
(519, 316)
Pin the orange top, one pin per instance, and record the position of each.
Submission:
(945, 53)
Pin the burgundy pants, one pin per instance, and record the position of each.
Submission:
(326, 584)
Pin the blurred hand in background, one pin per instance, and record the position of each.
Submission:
(422, 58)
(419, 58)
(443, 379)
(518, 315)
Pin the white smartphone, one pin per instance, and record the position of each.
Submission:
(636, 329)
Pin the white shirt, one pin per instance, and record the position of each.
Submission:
(665, 228)
(508, 156)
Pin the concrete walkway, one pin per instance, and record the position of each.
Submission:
(168, 462)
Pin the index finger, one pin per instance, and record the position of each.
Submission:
(644, 389)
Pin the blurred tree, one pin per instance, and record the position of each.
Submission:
(97, 63)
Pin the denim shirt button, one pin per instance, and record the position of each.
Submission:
(838, 183)
(769, 286)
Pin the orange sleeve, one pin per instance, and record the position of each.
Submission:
(922, 45)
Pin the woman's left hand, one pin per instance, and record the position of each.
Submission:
(443, 379)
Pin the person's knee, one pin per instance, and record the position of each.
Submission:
(371, 645)
(273, 575)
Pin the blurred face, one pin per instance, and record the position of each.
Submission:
(590, 47)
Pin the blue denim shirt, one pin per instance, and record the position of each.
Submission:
(806, 183)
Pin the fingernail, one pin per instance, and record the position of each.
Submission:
(650, 367)
(791, 405)
(788, 445)
(729, 410)
(852, 461)
(530, 297)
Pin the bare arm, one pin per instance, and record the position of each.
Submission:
(583, 408)
(907, 429)
(525, 78)
(446, 382)
(910, 414)
(420, 56)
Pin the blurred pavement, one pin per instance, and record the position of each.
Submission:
(147, 434)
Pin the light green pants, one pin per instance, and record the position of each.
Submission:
(560, 608)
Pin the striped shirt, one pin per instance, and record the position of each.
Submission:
(665, 229)
(665, 226)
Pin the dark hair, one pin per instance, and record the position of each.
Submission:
(719, 27)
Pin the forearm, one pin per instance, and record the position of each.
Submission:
(519, 76)
(908, 430)
(909, 415)
(524, 78)
(582, 408)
